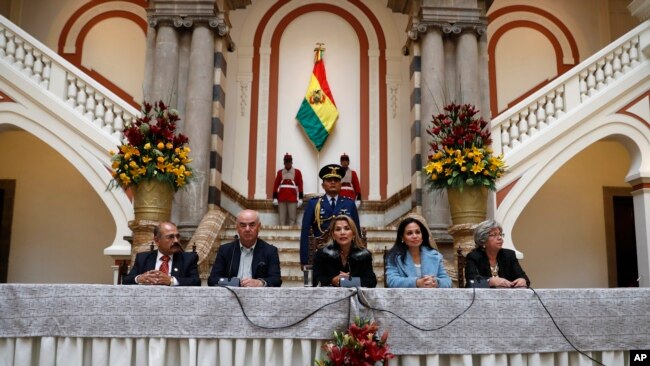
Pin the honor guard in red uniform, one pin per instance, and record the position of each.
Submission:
(287, 191)
(350, 187)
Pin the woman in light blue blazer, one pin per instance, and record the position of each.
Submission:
(412, 261)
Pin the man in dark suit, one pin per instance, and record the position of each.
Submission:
(255, 262)
(320, 211)
(169, 265)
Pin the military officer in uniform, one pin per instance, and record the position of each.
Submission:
(350, 187)
(320, 211)
(287, 191)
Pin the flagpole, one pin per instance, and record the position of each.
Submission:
(317, 170)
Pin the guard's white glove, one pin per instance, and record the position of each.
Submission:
(357, 203)
(299, 203)
(275, 202)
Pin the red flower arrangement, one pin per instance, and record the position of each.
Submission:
(460, 150)
(152, 150)
(360, 345)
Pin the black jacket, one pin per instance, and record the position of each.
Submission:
(184, 267)
(478, 266)
(327, 265)
(265, 266)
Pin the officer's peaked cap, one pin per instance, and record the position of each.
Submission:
(331, 171)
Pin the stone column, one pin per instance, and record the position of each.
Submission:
(184, 49)
(150, 57)
(194, 198)
(641, 201)
(467, 66)
(165, 65)
(161, 62)
(434, 96)
(469, 91)
(445, 34)
(218, 118)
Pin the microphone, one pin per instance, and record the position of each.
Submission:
(478, 282)
(232, 256)
(230, 281)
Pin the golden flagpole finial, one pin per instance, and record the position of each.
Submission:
(318, 51)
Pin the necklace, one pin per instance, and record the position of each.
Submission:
(495, 270)
(344, 259)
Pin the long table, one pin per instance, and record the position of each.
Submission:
(115, 325)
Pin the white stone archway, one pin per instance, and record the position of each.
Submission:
(89, 156)
(631, 132)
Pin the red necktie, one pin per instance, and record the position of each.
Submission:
(164, 266)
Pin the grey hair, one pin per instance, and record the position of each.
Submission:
(257, 215)
(482, 232)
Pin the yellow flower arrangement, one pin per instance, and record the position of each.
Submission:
(460, 150)
(152, 150)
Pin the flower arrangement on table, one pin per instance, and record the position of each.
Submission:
(460, 150)
(152, 150)
(359, 345)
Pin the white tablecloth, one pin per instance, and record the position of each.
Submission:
(99, 324)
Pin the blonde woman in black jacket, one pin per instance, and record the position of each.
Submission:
(346, 256)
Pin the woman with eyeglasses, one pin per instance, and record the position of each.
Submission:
(490, 261)
(345, 257)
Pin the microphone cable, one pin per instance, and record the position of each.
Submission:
(365, 303)
(232, 256)
(560, 330)
(362, 300)
(241, 306)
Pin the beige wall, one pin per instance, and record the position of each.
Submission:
(60, 226)
(115, 47)
(525, 57)
(562, 230)
(296, 64)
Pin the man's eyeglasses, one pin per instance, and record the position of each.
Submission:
(500, 235)
(172, 236)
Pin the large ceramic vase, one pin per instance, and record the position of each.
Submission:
(153, 201)
(468, 206)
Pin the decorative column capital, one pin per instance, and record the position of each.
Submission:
(447, 28)
(216, 22)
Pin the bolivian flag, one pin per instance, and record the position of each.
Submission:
(318, 113)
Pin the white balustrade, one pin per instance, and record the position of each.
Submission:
(28, 61)
(38, 67)
(19, 54)
(625, 58)
(608, 68)
(533, 115)
(3, 43)
(92, 101)
(45, 76)
(10, 49)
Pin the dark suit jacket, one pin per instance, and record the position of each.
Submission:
(478, 265)
(344, 206)
(265, 266)
(327, 265)
(184, 267)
